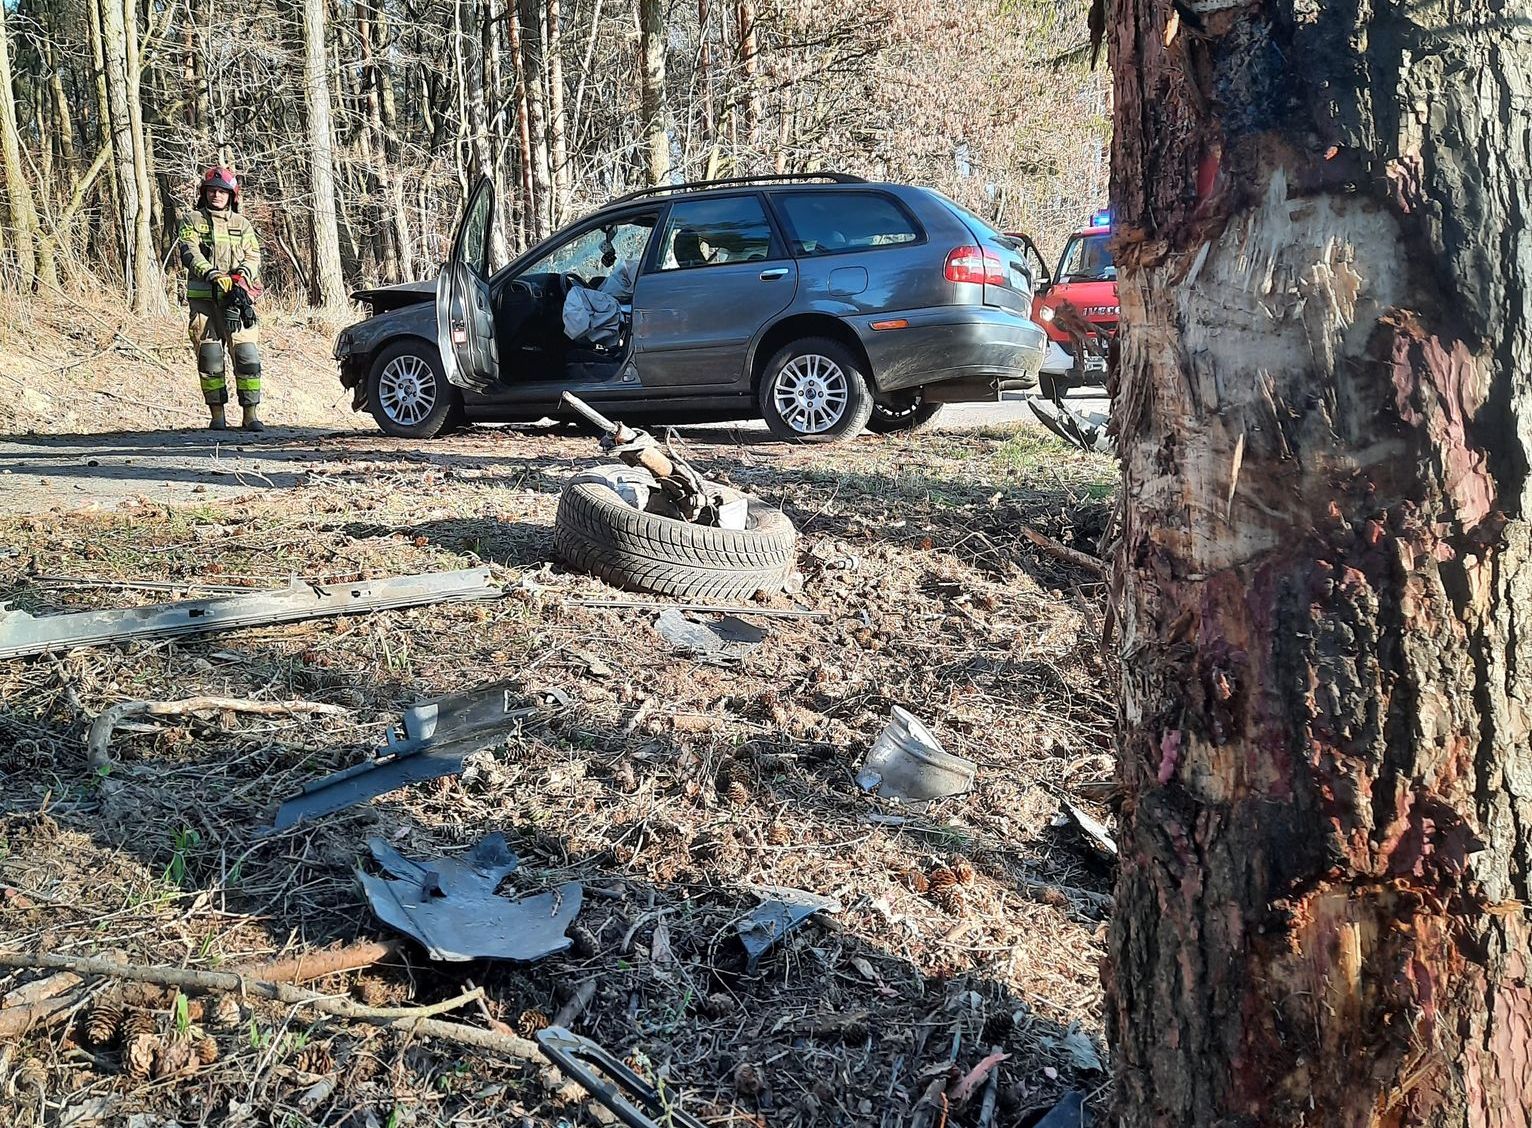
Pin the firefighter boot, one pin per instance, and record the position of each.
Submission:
(247, 382)
(217, 422)
(249, 422)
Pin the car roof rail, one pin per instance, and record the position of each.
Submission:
(765, 178)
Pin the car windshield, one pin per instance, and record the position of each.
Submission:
(1087, 258)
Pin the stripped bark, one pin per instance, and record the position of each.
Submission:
(1324, 409)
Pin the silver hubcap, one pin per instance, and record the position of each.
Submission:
(407, 390)
(811, 394)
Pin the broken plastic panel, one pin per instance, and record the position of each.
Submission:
(782, 911)
(1070, 1112)
(728, 639)
(450, 904)
(438, 735)
(907, 763)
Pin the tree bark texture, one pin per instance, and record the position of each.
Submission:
(531, 62)
(140, 275)
(150, 293)
(329, 284)
(20, 207)
(558, 123)
(651, 49)
(1323, 399)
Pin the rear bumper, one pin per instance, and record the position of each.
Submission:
(975, 344)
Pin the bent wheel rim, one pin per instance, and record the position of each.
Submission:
(811, 394)
(407, 390)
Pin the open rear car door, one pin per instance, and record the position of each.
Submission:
(465, 325)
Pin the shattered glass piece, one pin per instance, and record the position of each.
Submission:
(729, 638)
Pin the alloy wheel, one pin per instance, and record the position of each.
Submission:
(811, 393)
(407, 390)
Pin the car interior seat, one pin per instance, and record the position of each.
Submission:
(687, 248)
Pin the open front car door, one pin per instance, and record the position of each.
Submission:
(465, 324)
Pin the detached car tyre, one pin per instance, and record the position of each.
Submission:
(408, 393)
(815, 391)
(908, 412)
(598, 532)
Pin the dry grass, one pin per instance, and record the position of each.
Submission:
(730, 778)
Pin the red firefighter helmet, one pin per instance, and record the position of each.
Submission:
(220, 177)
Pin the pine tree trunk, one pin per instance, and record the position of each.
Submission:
(62, 116)
(749, 69)
(149, 292)
(141, 278)
(1323, 398)
(388, 130)
(531, 79)
(558, 126)
(528, 210)
(328, 281)
(18, 192)
(651, 49)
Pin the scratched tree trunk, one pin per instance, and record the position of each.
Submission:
(1324, 402)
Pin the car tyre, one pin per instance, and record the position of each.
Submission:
(596, 531)
(906, 413)
(815, 391)
(408, 394)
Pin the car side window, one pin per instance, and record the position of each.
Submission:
(714, 232)
(831, 223)
(593, 254)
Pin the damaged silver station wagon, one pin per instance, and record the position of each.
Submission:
(822, 304)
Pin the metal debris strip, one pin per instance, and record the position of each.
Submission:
(438, 735)
(579, 1058)
(22, 633)
(781, 911)
(908, 764)
(1098, 836)
(450, 904)
(727, 640)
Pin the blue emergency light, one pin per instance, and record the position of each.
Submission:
(1101, 218)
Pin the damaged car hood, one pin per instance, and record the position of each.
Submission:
(384, 298)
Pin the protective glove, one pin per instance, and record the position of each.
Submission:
(221, 280)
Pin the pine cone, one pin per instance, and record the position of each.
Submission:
(136, 1021)
(941, 878)
(315, 1058)
(531, 1021)
(33, 1074)
(207, 1050)
(174, 1059)
(951, 899)
(371, 991)
(962, 869)
(583, 942)
(226, 1013)
(138, 1057)
(102, 1021)
(749, 1081)
(738, 793)
(778, 835)
(915, 880)
(997, 1028)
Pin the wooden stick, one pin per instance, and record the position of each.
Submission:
(100, 735)
(317, 965)
(1063, 552)
(39, 1001)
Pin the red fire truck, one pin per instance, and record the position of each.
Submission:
(1077, 307)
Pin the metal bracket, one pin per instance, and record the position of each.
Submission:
(571, 1053)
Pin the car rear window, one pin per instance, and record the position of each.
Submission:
(832, 223)
(714, 232)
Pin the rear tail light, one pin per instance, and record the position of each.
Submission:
(978, 265)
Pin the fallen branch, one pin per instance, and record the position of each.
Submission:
(39, 1001)
(316, 965)
(414, 1019)
(1063, 552)
(100, 735)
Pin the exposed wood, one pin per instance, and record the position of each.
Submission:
(1063, 552)
(310, 966)
(1325, 565)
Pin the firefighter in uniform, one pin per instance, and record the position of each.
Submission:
(219, 249)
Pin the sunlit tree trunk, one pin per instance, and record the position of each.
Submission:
(1323, 399)
(531, 59)
(18, 191)
(558, 125)
(140, 263)
(329, 285)
(651, 49)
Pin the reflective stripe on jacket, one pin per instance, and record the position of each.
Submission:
(216, 240)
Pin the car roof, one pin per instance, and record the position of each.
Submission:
(661, 196)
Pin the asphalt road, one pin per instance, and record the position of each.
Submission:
(71, 472)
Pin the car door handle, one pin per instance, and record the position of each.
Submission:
(773, 274)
